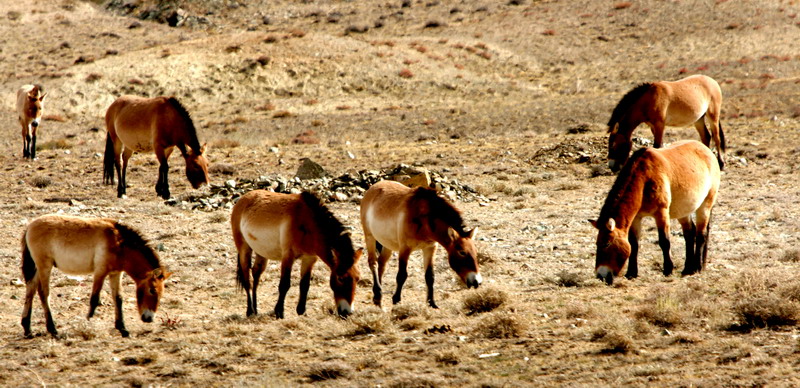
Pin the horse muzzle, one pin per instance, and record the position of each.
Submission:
(147, 316)
(343, 308)
(613, 165)
(605, 274)
(35, 123)
(474, 280)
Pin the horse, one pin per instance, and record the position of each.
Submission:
(30, 104)
(658, 104)
(666, 183)
(287, 227)
(137, 124)
(100, 246)
(398, 218)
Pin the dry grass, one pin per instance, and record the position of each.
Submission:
(369, 321)
(502, 325)
(328, 371)
(483, 300)
(41, 181)
(58, 144)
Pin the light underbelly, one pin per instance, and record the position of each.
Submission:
(265, 241)
(74, 260)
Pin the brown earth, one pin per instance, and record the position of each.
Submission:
(510, 98)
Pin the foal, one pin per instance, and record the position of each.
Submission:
(30, 104)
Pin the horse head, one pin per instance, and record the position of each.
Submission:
(343, 283)
(463, 257)
(197, 167)
(35, 105)
(619, 147)
(149, 291)
(613, 250)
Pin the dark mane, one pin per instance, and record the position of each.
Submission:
(440, 209)
(620, 184)
(336, 236)
(131, 238)
(194, 143)
(626, 102)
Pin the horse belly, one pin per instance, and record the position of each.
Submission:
(384, 229)
(265, 241)
(138, 141)
(684, 113)
(72, 258)
(686, 202)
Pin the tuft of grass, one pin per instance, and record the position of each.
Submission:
(41, 181)
(766, 310)
(664, 310)
(225, 143)
(568, 279)
(615, 340)
(222, 168)
(447, 358)
(60, 144)
(484, 300)
(329, 370)
(502, 325)
(370, 321)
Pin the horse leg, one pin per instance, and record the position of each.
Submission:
(97, 286)
(44, 296)
(662, 223)
(283, 286)
(305, 283)
(691, 265)
(123, 172)
(702, 130)
(119, 321)
(162, 186)
(658, 133)
(402, 273)
(633, 240)
(372, 259)
(702, 236)
(30, 289)
(427, 259)
(32, 145)
(243, 269)
(259, 266)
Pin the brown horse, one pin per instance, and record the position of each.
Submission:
(159, 124)
(663, 103)
(398, 218)
(286, 227)
(671, 182)
(99, 246)
(30, 104)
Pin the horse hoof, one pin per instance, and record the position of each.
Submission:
(124, 333)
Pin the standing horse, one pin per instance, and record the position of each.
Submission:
(671, 182)
(30, 104)
(286, 227)
(99, 246)
(663, 103)
(398, 218)
(159, 124)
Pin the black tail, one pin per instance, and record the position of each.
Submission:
(108, 161)
(378, 247)
(722, 137)
(28, 265)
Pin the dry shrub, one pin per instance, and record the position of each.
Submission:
(328, 371)
(568, 279)
(222, 168)
(502, 325)
(615, 339)
(225, 143)
(282, 114)
(370, 321)
(41, 181)
(60, 144)
(664, 309)
(791, 256)
(447, 358)
(484, 300)
(766, 310)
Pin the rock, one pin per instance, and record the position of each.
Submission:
(310, 170)
(341, 197)
(423, 179)
(230, 183)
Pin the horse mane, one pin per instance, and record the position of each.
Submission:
(194, 142)
(131, 238)
(620, 185)
(440, 209)
(626, 102)
(335, 235)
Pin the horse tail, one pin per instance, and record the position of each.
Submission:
(722, 137)
(108, 161)
(241, 278)
(28, 265)
(378, 247)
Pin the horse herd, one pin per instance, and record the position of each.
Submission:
(663, 183)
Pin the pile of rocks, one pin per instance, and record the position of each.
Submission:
(349, 187)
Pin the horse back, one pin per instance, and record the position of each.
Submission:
(76, 245)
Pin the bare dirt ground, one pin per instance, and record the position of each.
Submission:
(510, 98)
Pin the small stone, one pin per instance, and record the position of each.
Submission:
(230, 183)
(423, 179)
(341, 197)
(310, 170)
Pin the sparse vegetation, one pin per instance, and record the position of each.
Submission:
(483, 300)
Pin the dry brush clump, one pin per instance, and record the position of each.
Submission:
(368, 321)
(765, 299)
(502, 325)
(484, 300)
(328, 370)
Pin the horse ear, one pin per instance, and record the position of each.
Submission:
(357, 255)
(452, 233)
(594, 223)
(471, 233)
(157, 273)
(167, 275)
(42, 97)
(204, 148)
(611, 224)
(614, 129)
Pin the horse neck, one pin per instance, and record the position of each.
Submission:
(625, 200)
(137, 271)
(441, 233)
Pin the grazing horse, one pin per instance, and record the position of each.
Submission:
(664, 103)
(666, 183)
(402, 219)
(159, 124)
(286, 227)
(99, 246)
(30, 104)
